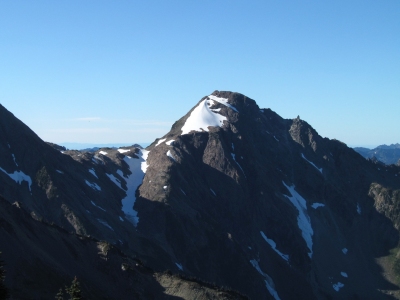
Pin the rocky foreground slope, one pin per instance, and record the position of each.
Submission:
(233, 196)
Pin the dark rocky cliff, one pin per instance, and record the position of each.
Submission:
(254, 203)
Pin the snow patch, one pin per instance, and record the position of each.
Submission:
(183, 192)
(93, 172)
(212, 191)
(316, 205)
(170, 142)
(165, 187)
(58, 171)
(103, 152)
(105, 224)
(273, 246)
(18, 177)
(234, 158)
(319, 169)
(268, 280)
(276, 138)
(15, 162)
(202, 117)
(169, 154)
(303, 220)
(358, 209)
(160, 141)
(93, 185)
(123, 150)
(337, 286)
(344, 274)
(115, 180)
(94, 204)
(344, 250)
(138, 167)
(120, 218)
(223, 101)
(179, 266)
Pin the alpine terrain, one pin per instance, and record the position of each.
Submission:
(386, 154)
(234, 202)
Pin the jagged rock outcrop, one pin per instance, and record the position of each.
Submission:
(233, 195)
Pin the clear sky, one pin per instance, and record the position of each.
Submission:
(124, 71)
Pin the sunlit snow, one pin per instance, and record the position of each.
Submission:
(311, 163)
(169, 154)
(103, 152)
(18, 177)
(160, 141)
(273, 246)
(223, 101)
(123, 150)
(203, 116)
(268, 280)
(303, 220)
(170, 142)
(138, 167)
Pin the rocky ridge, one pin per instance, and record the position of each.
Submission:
(233, 195)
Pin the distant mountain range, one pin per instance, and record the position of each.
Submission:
(234, 202)
(386, 154)
(86, 146)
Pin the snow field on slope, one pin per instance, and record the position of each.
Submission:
(93, 172)
(316, 205)
(303, 220)
(93, 185)
(337, 286)
(123, 150)
(160, 141)
(138, 167)
(18, 177)
(203, 116)
(273, 246)
(311, 163)
(169, 154)
(269, 283)
(115, 180)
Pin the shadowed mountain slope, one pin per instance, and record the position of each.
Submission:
(233, 195)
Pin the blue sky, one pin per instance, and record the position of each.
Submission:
(124, 71)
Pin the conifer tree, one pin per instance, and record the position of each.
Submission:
(74, 291)
(3, 290)
(60, 295)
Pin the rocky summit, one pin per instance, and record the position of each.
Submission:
(234, 202)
